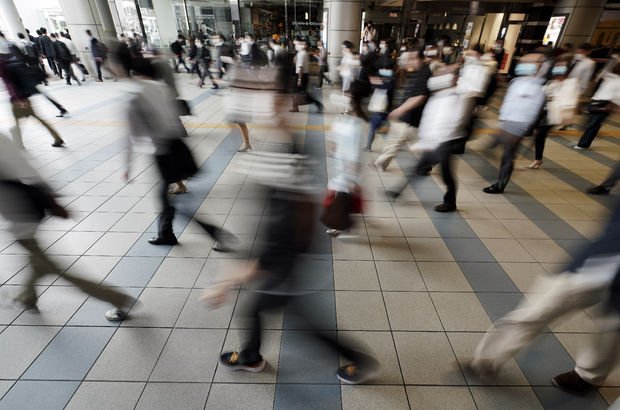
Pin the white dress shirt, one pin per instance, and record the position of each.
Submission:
(583, 71)
(609, 89)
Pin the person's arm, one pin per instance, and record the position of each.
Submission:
(216, 295)
(410, 104)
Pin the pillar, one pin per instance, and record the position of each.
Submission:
(93, 15)
(583, 16)
(344, 22)
(10, 19)
(166, 21)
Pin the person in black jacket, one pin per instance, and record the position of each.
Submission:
(64, 59)
(49, 52)
(177, 48)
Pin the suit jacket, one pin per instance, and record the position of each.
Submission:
(47, 47)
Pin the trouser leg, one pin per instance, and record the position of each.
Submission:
(56, 103)
(375, 122)
(428, 159)
(595, 121)
(51, 130)
(613, 178)
(511, 144)
(565, 293)
(399, 135)
(99, 75)
(52, 64)
(167, 213)
(539, 141)
(598, 359)
(445, 162)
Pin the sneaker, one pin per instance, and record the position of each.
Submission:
(333, 232)
(231, 361)
(598, 190)
(571, 382)
(445, 208)
(579, 148)
(116, 314)
(355, 374)
(219, 246)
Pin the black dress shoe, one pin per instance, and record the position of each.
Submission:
(493, 189)
(598, 190)
(58, 144)
(445, 208)
(163, 240)
(62, 113)
(393, 195)
(571, 382)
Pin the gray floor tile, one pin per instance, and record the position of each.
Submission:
(440, 397)
(453, 228)
(513, 398)
(554, 398)
(307, 397)
(192, 245)
(92, 312)
(94, 268)
(143, 248)
(190, 355)
(106, 395)
(374, 397)
(74, 243)
(11, 264)
(249, 397)
(355, 275)
(444, 277)
(215, 270)
(5, 385)
(98, 222)
(56, 306)
(418, 228)
(426, 358)
(304, 359)
(196, 314)
(411, 311)
(487, 277)
(114, 244)
(360, 311)
(312, 310)
(313, 275)
(391, 249)
(461, 311)
(543, 359)
(241, 317)
(130, 355)
(49, 395)
(270, 350)
(70, 355)
(133, 271)
(468, 250)
(134, 222)
(164, 396)
(20, 345)
(429, 249)
(159, 307)
(177, 272)
(399, 276)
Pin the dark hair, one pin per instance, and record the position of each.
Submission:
(27, 31)
(43, 30)
(348, 44)
(21, 35)
(38, 32)
(53, 35)
(250, 35)
(89, 33)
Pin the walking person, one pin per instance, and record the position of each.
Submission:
(26, 199)
(21, 80)
(75, 60)
(604, 101)
(321, 56)
(407, 107)
(519, 113)
(562, 98)
(64, 59)
(179, 52)
(302, 68)
(49, 52)
(605, 187)
(100, 55)
(593, 278)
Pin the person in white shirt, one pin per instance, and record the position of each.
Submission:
(603, 102)
(74, 52)
(302, 69)
(562, 98)
(370, 33)
(347, 65)
(519, 113)
(582, 67)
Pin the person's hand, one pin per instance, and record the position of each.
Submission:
(216, 295)
(374, 80)
(58, 210)
(394, 115)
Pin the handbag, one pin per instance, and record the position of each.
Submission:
(178, 163)
(337, 207)
(379, 101)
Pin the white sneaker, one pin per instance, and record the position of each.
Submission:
(578, 147)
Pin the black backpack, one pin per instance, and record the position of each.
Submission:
(62, 51)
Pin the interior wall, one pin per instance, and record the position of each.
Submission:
(491, 29)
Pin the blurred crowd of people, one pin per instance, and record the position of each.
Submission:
(429, 95)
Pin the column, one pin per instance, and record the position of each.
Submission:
(344, 22)
(166, 21)
(10, 19)
(582, 20)
(93, 15)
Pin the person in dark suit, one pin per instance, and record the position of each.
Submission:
(64, 59)
(48, 51)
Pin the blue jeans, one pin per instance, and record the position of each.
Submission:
(376, 119)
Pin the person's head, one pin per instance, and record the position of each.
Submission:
(300, 44)
(383, 46)
(89, 33)
(530, 64)
(415, 61)
(347, 47)
(53, 37)
(249, 38)
(21, 36)
(560, 67)
(443, 78)
(471, 56)
(43, 30)
(1, 34)
(180, 37)
(38, 32)
(499, 43)
(431, 52)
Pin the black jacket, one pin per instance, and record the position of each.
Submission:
(47, 47)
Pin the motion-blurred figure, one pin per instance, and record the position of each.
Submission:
(26, 200)
(519, 113)
(302, 71)
(582, 67)
(605, 187)
(179, 52)
(99, 52)
(592, 279)
(409, 100)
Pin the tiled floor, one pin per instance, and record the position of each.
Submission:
(416, 288)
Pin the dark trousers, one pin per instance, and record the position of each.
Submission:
(511, 144)
(442, 156)
(539, 141)
(53, 66)
(376, 119)
(56, 103)
(595, 121)
(66, 66)
(180, 60)
(322, 75)
(99, 63)
(303, 96)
